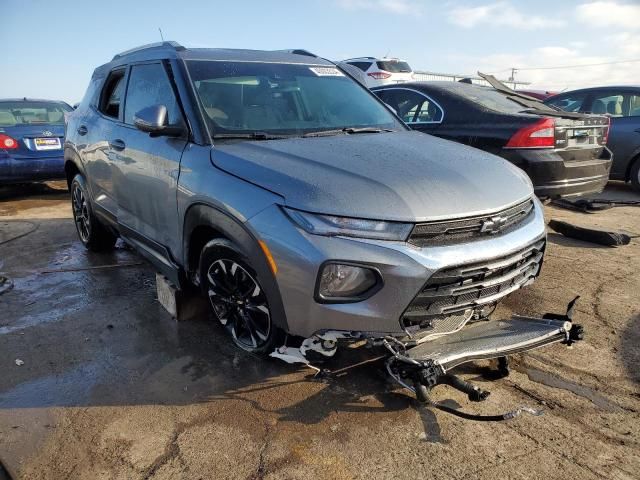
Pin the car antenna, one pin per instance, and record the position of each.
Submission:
(161, 36)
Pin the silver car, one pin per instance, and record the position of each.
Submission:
(293, 198)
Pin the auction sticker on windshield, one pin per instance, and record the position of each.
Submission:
(326, 71)
(48, 143)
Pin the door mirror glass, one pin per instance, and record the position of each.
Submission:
(154, 120)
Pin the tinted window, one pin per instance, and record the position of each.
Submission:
(486, 97)
(411, 106)
(364, 66)
(394, 66)
(569, 102)
(112, 94)
(634, 106)
(245, 97)
(32, 113)
(616, 104)
(149, 85)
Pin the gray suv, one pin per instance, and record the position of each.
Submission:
(293, 198)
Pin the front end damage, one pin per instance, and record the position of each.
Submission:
(419, 364)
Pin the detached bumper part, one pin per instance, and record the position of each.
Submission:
(492, 339)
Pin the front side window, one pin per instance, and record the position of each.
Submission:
(569, 103)
(32, 113)
(149, 85)
(411, 106)
(634, 105)
(285, 99)
(112, 94)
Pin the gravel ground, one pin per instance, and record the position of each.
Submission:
(112, 387)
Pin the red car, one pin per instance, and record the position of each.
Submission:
(539, 94)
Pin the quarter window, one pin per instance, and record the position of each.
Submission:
(411, 106)
(364, 66)
(149, 85)
(112, 94)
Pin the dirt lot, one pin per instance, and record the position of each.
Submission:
(112, 387)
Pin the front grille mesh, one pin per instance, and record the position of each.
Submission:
(456, 289)
(466, 229)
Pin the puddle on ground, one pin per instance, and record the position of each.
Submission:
(550, 380)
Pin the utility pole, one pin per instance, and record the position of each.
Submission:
(512, 78)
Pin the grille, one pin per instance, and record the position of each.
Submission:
(453, 290)
(454, 231)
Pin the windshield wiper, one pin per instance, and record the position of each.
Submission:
(347, 130)
(248, 136)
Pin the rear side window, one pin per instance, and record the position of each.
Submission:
(393, 66)
(569, 103)
(32, 113)
(149, 85)
(616, 104)
(411, 106)
(364, 66)
(112, 91)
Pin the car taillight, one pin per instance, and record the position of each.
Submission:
(8, 143)
(379, 75)
(541, 134)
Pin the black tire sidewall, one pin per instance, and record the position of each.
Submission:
(226, 249)
(99, 237)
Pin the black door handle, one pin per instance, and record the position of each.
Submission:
(117, 144)
(82, 130)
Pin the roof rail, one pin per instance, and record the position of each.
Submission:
(298, 51)
(157, 45)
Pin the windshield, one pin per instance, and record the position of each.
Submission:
(283, 99)
(394, 66)
(32, 113)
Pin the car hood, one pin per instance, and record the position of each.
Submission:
(402, 176)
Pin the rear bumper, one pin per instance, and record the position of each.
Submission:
(554, 176)
(16, 170)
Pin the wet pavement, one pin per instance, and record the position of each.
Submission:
(111, 387)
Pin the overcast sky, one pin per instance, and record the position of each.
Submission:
(50, 48)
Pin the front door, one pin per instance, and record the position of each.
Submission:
(148, 167)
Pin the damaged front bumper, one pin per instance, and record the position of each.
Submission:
(420, 365)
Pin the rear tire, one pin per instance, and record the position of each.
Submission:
(635, 174)
(236, 298)
(93, 235)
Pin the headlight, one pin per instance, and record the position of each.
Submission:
(342, 282)
(330, 225)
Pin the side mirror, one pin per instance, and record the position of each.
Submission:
(154, 121)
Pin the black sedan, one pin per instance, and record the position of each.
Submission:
(622, 105)
(563, 153)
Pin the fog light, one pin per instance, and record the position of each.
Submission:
(345, 282)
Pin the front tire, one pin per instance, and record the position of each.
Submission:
(93, 235)
(237, 299)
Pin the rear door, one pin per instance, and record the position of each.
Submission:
(148, 167)
(98, 129)
(623, 108)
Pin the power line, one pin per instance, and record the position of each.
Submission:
(558, 67)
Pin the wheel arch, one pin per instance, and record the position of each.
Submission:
(635, 158)
(204, 223)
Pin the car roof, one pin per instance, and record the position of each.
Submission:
(28, 99)
(173, 50)
(373, 59)
(602, 88)
(441, 85)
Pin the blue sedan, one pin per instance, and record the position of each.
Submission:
(31, 140)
